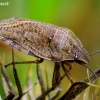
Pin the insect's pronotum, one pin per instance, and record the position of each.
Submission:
(43, 40)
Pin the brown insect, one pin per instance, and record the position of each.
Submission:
(43, 40)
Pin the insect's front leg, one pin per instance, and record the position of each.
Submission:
(56, 75)
(25, 62)
(67, 72)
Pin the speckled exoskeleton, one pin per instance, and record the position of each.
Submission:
(43, 40)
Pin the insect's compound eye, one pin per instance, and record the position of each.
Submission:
(75, 56)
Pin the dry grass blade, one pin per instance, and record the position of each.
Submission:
(12, 93)
(9, 83)
(16, 77)
(78, 87)
(44, 94)
(29, 82)
(29, 88)
(9, 93)
(47, 83)
(58, 93)
(56, 81)
(4, 84)
(10, 96)
(39, 75)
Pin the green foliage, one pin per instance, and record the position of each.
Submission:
(83, 17)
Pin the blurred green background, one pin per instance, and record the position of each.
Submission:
(81, 16)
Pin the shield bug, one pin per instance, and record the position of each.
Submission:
(43, 40)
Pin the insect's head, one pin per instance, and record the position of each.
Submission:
(81, 56)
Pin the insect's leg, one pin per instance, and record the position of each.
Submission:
(70, 65)
(39, 61)
(67, 73)
(56, 80)
(56, 75)
(25, 62)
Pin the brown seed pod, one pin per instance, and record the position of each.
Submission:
(43, 40)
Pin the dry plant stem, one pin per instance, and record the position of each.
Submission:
(56, 81)
(44, 94)
(29, 88)
(47, 83)
(57, 94)
(4, 85)
(29, 82)
(78, 87)
(39, 75)
(92, 78)
(16, 78)
(17, 83)
(40, 78)
(11, 87)
(10, 96)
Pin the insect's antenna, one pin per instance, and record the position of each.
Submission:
(90, 70)
(94, 53)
